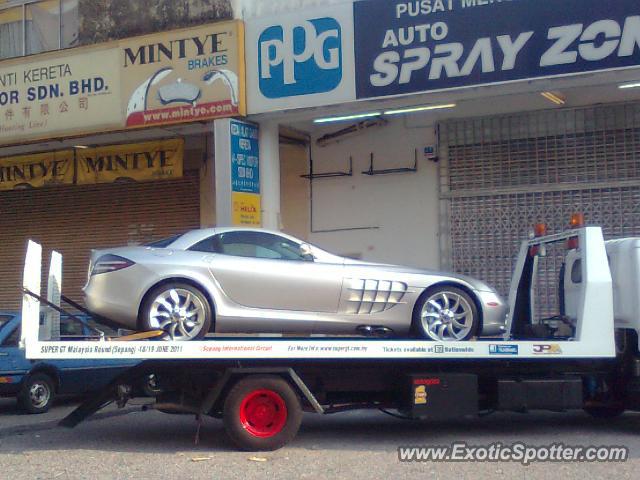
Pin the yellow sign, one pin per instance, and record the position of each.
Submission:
(36, 170)
(420, 395)
(140, 162)
(246, 209)
(59, 94)
(171, 77)
(184, 75)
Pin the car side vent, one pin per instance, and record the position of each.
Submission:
(373, 296)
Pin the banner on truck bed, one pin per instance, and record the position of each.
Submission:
(418, 46)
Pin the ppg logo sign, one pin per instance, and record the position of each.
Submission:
(300, 59)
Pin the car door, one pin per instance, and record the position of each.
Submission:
(266, 271)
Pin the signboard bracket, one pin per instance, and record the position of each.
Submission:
(313, 176)
(373, 172)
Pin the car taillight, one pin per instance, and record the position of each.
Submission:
(110, 263)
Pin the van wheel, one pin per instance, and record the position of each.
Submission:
(262, 413)
(36, 394)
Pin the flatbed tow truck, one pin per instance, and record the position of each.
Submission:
(587, 357)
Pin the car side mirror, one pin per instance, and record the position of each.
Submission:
(307, 252)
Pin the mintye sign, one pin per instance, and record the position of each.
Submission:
(159, 79)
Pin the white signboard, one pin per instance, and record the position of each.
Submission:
(301, 59)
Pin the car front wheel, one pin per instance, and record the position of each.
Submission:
(446, 314)
(180, 309)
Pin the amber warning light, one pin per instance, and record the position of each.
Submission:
(577, 220)
(540, 229)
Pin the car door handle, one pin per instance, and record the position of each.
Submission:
(4, 354)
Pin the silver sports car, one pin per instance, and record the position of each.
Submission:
(231, 280)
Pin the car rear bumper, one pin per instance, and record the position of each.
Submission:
(115, 296)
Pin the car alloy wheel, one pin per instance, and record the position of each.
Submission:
(448, 315)
(180, 311)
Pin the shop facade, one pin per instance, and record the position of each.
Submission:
(112, 144)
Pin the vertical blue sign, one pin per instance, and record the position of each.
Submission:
(245, 158)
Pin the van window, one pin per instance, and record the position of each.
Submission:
(13, 339)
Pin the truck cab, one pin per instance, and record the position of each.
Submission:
(623, 256)
(35, 383)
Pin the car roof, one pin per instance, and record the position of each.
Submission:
(192, 237)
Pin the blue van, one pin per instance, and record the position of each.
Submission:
(35, 383)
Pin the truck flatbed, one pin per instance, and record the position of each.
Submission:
(260, 385)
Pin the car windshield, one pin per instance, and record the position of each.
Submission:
(164, 243)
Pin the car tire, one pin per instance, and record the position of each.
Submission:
(262, 413)
(188, 299)
(446, 313)
(36, 394)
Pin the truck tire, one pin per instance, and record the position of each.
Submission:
(262, 413)
(36, 394)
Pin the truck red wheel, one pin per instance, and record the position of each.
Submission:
(262, 413)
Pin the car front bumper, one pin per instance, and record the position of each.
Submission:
(494, 313)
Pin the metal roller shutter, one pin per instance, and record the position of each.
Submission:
(501, 175)
(73, 220)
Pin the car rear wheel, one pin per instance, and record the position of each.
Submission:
(180, 309)
(36, 394)
(446, 314)
(262, 413)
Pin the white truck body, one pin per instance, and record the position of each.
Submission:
(624, 262)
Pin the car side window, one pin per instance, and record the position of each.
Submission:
(257, 245)
(208, 245)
